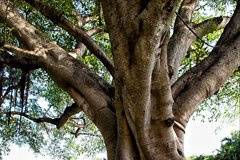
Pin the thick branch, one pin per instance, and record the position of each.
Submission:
(82, 20)
(68, 112)
(17, 62)
(185, 33)
(201, 84)
(182, 36)
(102, 118)
(21, 52)
(58, 18)
(156, 15)
(211, 25)
(207, 77)
(31, 36)
(80, 47)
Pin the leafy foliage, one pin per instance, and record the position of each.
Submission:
(229, 149)
(46, 99)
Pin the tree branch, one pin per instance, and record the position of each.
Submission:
(59, 122)
(36, 120)
(207, 77)
(58, 18)
(151, 16)
(211, 25)
(82, 20)
(17, 62)
(182, 36)
(31, 36)
(185, 33)
(80, 47)
(2, 98)
(77, 133)
(22, 52)
(68, 112)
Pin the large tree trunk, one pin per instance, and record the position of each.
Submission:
(144, 115)
(142, 86)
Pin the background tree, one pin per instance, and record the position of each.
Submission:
(141, 102)
(228, 151)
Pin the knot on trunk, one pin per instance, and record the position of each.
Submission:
(169, 122)
(180, 152)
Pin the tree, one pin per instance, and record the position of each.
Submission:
(143, 113)
(229, 149)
